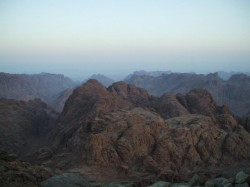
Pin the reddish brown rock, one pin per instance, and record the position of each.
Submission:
(123, 132)
(169, 106)
(107, 128)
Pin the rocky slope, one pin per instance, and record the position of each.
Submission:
(25, 125)
(59, 100)
(16, 173)
(123, 132)
(234, 92)
(44, 86)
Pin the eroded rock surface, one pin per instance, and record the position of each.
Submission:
(125, 129)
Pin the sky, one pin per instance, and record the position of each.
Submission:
(116, 37)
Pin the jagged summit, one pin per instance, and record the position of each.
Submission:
(125, 127)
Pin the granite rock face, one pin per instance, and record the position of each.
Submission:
(123, 132)
(124, 129)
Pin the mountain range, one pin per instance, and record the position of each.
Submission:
(124, 133)
(234, 92)
(44, 86)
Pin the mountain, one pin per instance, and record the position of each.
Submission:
(59, 100)
(44, 86)
(234, 92)
(225, 75)
(25, 125)
(122, 132)
(150, 73)
(106, 81)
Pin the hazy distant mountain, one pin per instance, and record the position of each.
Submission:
(25, 87)
(225, 75)
(234, 92)
(149, 73)
(106, 81)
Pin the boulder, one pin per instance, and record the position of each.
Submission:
(209, 184)
(196, 180)
(65, 180)
(160, 184)
(242, 177)
(242, 185)
(226, 183)
(180, 185)
(217, 182)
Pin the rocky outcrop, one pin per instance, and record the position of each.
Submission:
(122, 132)
(65, 180)
(14, 172)
(168, 105)
(25, 125)
(234, 92)
(126, 130)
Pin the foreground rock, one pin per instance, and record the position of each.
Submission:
(14, 173)
(65, 180)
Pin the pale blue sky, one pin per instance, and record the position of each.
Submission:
(81, 37)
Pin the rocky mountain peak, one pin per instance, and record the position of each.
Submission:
(130, 92)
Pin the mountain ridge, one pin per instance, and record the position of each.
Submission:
(121, 128)
(233, 92)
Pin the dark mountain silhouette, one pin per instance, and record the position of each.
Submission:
(234, 92)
